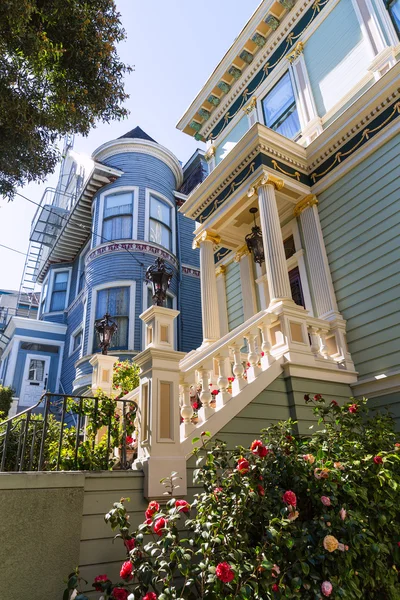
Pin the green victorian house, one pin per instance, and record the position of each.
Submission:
(298, 219)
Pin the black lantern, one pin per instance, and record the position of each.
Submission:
(254, 240)
(159, 275)
(105, 328)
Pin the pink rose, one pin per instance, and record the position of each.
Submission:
(326, 588)
(342, 513)
(289, 497)
(325, 500)
(353, 408)
(275, 587)
(224, 572)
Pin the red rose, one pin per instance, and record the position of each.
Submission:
(334, 403)
(195, 406)
(257, 447)
(307, 397)
(289, 438)
(398, 543)
(129, 439)
(130, 544)
(353, 408)
(152, 509)
(148, 521)
(378, 460)
(317, 397)
(275, 587)
(231, 379)
(150, 596)
(217, 490)
(126, 570)
(262, 353)
(214, 392)
(261, 490)
(159, 525)
(289, 497)
(224, 572)
(120, 594)
(98, 580)
(182, 506)
(243, 466)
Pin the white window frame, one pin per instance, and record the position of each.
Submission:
(298, 260)
(149, 193)
(43, 301)
(278, 73)
(147, 287)
(132, 293)
(76, 332)
(46, 309)
(98, 238)
(85, 249)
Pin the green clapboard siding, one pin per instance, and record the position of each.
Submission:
(360, 219)
(391, 402)
(234, 300)
(231, 139)
(337, 56)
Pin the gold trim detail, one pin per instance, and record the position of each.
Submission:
(295, 175)
(243, 251)
(251, 106)
(210, 153)
(306, 202)
(266, 179)
(221, 270)
(296, 52)
(206, 236)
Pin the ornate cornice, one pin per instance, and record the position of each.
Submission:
(206, 236)
(296, 52)
(250, 106)
(221, 270)
(306, 202)
(210, 153)
(140, 247)
(243, 251)
(266, 179)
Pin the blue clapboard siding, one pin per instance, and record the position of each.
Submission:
(74, 320)
(337, 56)
(186, 236)
(234, 300)
(360, 218)
(189, 320)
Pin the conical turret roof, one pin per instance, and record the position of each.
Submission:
(138, 134)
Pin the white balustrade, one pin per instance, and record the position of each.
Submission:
(253, 357)
(205, 395)
(223, 382)
(186, 410)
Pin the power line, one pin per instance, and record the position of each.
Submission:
(14, 250)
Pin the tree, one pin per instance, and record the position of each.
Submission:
(59, 73)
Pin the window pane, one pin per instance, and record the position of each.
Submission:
(119, 204)
(290, 124)
(278, 100)
(77, 341)
(395, 10)
(160, 210)
(114, 301)
(169, 302)
(160, 234)
(58, 301)
(36, 370)
(295, 286)
(117, 228)
(289, 247)
(60, 281)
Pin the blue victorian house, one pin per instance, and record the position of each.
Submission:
(92, 239)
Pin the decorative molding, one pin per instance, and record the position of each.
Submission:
(125, 145)
(251, 105)
(266, 179)
(206, 236)
(306, 202)
(243, 251)
(221, 253)
(296, 52)
(190, 271)
(210, 153)
(221, 270)
(277, 167)
(145, 248)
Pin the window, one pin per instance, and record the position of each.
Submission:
(160, 223)
(39, 347)
(77, 340)
(394, 11)
(295, 286)
(115, 301)
(81, 274)
(279, 106)
(289, 247)
(36, 370)
(169, 301)
(43, 296)
(117, 217)
(59, 293)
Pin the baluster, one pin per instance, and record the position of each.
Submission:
(253, 357)
(238, 370)
(323, 348)
(267, 359)
(205, 396)
(315, 342)
(223, 396)
(186, 411)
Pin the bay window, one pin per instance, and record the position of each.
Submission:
(394, 11)
(160, 223)
(59, 291)
(280, 111)
(117, 217)
(115, 301)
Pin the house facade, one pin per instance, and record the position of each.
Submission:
(92, 240)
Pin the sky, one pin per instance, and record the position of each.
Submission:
(174, 46)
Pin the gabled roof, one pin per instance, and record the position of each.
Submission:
(139, 134)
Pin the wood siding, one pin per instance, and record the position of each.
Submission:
(234, 300)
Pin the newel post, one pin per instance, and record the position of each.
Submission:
(102, 375)
(159, 447)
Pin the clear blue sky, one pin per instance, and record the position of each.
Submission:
(174, 46)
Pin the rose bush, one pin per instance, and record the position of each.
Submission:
(326, 523)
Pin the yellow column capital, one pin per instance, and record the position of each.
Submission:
(206, 236)
(221, 270)
(243, 251)
(305, 202)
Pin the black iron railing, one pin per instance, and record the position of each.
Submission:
(69, 433)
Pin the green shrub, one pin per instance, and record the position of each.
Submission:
(291, 517)
(6, 396)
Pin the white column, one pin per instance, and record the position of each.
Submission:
(220, 274)
(262, 283)
(244, 258)
(318, 266)
(211, 328)
(275, 260)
